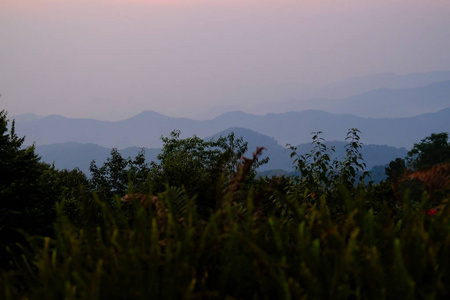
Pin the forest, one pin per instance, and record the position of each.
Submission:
(200, 224)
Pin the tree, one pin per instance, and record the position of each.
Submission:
(202, 167)
(20, 167)
(431, 150)
(28, 190)
(395, 170)
(199, 165)
(117, 173)
(320, 174)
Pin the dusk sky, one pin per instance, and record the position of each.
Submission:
(111, 59)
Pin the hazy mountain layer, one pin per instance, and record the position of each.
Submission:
(145, 129)
(294, 96)
(385, 101)
(361, 85)
(397, 103)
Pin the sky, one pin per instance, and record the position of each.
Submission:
(112, 59)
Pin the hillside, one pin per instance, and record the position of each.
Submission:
(73, 155)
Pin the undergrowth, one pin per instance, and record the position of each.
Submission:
(298, 250)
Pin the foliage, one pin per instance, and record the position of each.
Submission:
(26, 191)
(431, 150)
(236, 254)
(202, 167)
(316, 168)
(321, 176)
(395, 170)
(353, 162)
(118, 173)
(427, 171)
(20, 167)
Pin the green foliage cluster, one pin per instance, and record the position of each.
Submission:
(202, 168)
(118, 173)
(431, 150)
(210, 229)
(319, 175)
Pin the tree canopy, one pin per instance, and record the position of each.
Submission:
(431, 150)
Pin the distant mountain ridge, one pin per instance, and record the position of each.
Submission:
(295, 96)
(146, 129)
(360, 85)
(381, 102)
(391, 103)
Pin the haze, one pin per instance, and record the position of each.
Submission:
(113, 59)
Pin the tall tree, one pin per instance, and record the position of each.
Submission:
(27, 190)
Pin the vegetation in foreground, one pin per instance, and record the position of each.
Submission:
(210, 229)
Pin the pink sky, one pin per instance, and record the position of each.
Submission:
(111, 59)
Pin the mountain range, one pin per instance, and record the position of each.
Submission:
(146, 129)
(392, 112)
